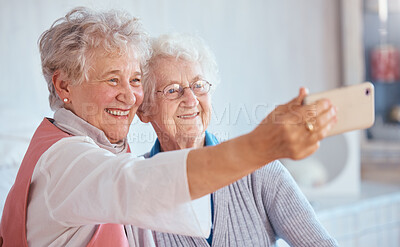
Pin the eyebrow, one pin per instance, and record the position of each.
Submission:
(196, 78)
(117, 72)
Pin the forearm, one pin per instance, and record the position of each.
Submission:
(211, 168)
(79, 184)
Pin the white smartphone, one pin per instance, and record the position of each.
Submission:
(355, 106)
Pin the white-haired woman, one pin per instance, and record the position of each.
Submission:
(259, 208)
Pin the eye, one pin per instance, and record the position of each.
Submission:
(199, 86)
(136, 82)
(172, 89)
(113, 81)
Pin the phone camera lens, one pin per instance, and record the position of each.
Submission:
(367, 91)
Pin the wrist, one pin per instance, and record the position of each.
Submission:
(262, 146)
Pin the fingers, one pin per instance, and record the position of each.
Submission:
(303, 92)
(327, 120)
(287, 126)
(316, 109)
(324, 120)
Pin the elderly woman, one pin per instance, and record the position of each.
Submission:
(254, 211)
(78, 185)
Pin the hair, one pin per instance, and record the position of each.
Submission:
(181, 47)
(70, 43)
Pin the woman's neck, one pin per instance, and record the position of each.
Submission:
(168, 143)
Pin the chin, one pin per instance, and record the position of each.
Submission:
(193, 133)
(115, 137)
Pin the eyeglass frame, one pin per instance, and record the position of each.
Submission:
(183, 89)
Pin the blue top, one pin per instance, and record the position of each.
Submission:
(210, 140)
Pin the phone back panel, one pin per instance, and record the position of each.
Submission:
(355, 106)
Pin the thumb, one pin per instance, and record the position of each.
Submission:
(303, 92)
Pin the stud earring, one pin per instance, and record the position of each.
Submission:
(65, 100)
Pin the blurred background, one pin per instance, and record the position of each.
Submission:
(266, 50)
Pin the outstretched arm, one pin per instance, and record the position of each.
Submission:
(282, 134)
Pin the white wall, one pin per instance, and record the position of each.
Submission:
(266, 50)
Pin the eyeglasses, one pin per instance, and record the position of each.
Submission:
(175, 91)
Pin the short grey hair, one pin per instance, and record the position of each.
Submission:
(179, 46)
(70, 42)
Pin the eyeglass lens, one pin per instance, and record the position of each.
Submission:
(174, 91)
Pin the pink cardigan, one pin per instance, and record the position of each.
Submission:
(13, 222)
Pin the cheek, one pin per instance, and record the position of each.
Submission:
(168, 109)
(206, 107)
(93, 107)
(103, 96)
(168, 112)
(166, 116)
(139, 95)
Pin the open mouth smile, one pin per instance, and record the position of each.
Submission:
(189, 116)
(118, 113)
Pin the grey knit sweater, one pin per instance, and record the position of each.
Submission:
(256, 211)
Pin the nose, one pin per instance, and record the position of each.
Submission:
(189, 99)
(126, 94)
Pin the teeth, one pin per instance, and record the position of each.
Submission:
(189, 116)
(117, 113)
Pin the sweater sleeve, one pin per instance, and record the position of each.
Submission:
(82, 184)
(291, 215)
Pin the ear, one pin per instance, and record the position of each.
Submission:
(143, 117)
(61, 84)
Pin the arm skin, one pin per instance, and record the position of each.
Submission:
(282, 134)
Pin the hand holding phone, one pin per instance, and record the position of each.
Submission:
(355, 106)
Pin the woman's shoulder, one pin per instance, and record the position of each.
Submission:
(275, 168)
(72, 146)
(267, 176)
(74, 142)
(271, 176)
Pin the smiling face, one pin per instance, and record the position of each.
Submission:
(110, 97)
(179, 123)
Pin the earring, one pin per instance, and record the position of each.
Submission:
(65, 100)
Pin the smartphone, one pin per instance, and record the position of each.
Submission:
(355, 106)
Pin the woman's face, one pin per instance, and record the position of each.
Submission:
(110, 97)
(187, 116)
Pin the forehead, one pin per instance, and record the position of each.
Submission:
(101, 61)
(170, 70)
